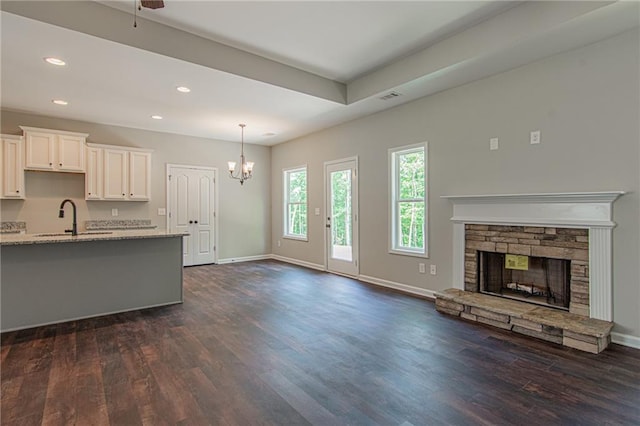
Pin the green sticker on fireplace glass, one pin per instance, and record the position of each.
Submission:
(514, 261)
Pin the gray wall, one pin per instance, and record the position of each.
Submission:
(244, 212)
(586, 104)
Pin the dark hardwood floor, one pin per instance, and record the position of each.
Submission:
(271, 343)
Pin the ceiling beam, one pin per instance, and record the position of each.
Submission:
(489, 41)
(111, 24)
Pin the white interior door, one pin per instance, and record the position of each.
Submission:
(191, 195)
(341, 212)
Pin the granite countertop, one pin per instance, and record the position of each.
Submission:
(49, 238)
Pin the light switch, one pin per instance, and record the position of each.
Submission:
(114, 212)
(317, 211)
(162, 211)
(493, 144)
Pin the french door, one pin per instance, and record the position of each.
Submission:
(191, 196)
(341, 212)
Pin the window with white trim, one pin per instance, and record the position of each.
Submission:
(295, 203)
(408, 201)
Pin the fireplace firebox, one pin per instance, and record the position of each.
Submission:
(540, 280)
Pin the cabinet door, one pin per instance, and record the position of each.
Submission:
(13, 169)
(93, 178)
(115, 174)
(139, 175)
(70, 153)
(40, 150)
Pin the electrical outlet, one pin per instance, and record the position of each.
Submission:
(114, 212)
(493, 144)
(421, 268)
(162, 211)
(278, 243)
(432, 270)
(317, 211)
(535, 137)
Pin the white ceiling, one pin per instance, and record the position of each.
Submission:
(290, 68)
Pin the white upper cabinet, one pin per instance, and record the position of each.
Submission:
(139, 175)
(54, 150)
(94, 177)
(124, 174)
(11, 167)
(71, 152)
(115, 174)
(40, 150)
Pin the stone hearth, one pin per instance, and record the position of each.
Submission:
(552, 325)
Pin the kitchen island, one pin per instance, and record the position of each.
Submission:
(51, 278)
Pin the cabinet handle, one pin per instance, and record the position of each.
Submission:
(51, 164)
(123, 194)
(89, 193)
(190, 221)
(17, 190)
(131, 194)
(60, 164)
(195, 221)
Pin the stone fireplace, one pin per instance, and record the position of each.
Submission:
(555, 270)
(536, 264)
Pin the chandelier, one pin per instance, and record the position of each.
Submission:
(246, 167)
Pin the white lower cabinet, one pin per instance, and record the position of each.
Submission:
(118, 173)
(11, 168)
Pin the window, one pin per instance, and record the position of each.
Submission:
(295, 203)
(408, 204)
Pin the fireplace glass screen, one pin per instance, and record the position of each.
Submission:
(543, 280)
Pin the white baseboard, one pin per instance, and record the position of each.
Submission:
(398, 286)
(625, 340)
(244, 259)
(309, 265)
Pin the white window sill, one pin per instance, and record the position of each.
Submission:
(296, 238)
(409, 253)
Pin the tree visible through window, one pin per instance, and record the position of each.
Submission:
(408, 200)
(295, 190)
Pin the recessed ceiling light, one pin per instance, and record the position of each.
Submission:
(60, 102)
(156, 117)
(55, 61)
(268, 134)
(183, 89)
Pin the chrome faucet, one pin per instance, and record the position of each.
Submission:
(74, 227)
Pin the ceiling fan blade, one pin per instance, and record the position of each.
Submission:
(152, 4)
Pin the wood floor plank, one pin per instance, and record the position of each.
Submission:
(272, 344)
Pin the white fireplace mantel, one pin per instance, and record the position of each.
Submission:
(591, 210)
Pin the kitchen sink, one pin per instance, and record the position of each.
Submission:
(69, 234)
